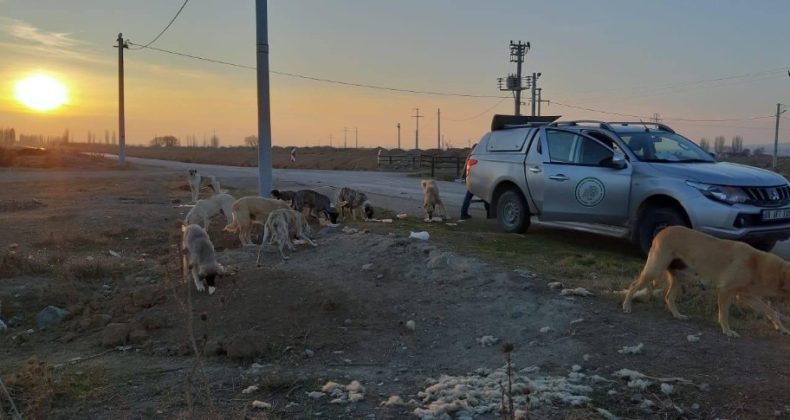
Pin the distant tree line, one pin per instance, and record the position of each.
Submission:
(9, 137)
(720, 146)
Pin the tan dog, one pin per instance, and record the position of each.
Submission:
(198, 258)
(735, 269)
(249, 210)
(431, 201)
(278, 228)
(207, 208)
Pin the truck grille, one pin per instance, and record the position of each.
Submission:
(768, 196)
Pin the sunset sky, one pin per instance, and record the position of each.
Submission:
(700, 60)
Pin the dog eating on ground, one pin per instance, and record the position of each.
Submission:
(195, 180)
(353, 200)
(431, 201)
(207, 208)
(278, 228)
(734, 269)
(287, 196)
(249, 210)
(316, 205)
(198, 258)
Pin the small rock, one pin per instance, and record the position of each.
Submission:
(667, 389)
(487, 340)
(250, 389)
(261, 405)
(315, 395)
(579, 291)
(411, 325)
(380, 276)
(115, 254)
(115, 334)
(13, 246)
(544, 330)
(367, 267)
(637, 349)
(347, 321)
(693, 338)
(50, 316)
(309, 353)
(555, 285)
(393, 400)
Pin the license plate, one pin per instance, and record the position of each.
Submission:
(776, 214)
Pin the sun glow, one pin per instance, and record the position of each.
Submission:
(41, 92)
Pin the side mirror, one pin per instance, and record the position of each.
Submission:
(618, 161)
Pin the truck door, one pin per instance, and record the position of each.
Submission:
(581, 183)
(533, 172)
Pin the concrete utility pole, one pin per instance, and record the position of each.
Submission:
(439, 129)
(513, 81)
(121, 116)
(356, 138)
(541, 100)
(345, 137)
(779, 112)
(264, 107)
(534, 84)
(330, 140)
(398, 135)
(417, 117)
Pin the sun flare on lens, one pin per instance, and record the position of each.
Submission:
(41, 92)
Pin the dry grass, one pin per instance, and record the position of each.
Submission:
(31, 387)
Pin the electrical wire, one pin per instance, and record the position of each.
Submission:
(166, 27)
(479, 114)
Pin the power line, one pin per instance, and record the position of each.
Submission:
(168, 25)
(362, 85)
(478, 114)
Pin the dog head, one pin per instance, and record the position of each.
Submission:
(368, 209)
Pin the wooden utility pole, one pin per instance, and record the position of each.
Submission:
(417, 117)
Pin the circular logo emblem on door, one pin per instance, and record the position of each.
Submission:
(590, 192)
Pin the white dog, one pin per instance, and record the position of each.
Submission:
(194, 179)
(198, 257)
(209, 207)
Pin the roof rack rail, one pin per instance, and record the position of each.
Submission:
(660, 126)
(502, 122)
(601, 124)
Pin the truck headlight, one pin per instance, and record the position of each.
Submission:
(722, 193)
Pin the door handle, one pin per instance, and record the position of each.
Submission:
(559, 177)
(535, 170)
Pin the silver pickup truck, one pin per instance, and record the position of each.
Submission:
(628, 179)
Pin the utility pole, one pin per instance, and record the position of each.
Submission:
(345, 137)
(417, 117)
(541, 100)
(398, 135)
(513, 81)
(356, 138)
(533, 82)
(264, 107)
(439, 129)
(656, 117)
(121, 117)
(330, 140)
(779, 112)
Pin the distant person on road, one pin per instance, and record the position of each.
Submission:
(468, 198)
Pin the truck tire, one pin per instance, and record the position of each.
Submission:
(765, 246)
(512, 213)
(653, 221)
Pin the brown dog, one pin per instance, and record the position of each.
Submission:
(735, 269)
(249, 210)
(431, 202)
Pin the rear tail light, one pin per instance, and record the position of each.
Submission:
(469, 164)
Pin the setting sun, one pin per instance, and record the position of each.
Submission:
(41, 92)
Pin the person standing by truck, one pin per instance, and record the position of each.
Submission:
(469, 196)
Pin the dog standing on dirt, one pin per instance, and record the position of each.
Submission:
(195, 180)
(207, 208)
(353, 200)
(249, 210)
(198, 258)
(278, 228)
(317, 205)
(737, 271)
(287, 196)
(431, 201)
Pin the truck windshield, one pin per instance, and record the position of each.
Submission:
(664, 147)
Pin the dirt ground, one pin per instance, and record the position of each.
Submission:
(104, 249)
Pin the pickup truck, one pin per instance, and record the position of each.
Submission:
(627, 179)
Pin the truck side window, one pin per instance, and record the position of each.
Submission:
(571, 148)
(593, 153)
(560, 146)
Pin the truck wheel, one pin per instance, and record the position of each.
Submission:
(765, 246)
(653, 221)
(512, 213)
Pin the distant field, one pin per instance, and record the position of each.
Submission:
(306, 157)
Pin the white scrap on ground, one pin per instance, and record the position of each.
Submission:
(544, 330)
(261, 404)
(411, 325)
(420, 235)
(250, 389)
(667, 389)
(576, 321)
(579, 291)
(393, 400)
(480, 393)
(402, 215)
(693, 338)
(555, 285)
(315, 395)
(637, 349)
(606, 414)
(487, 340)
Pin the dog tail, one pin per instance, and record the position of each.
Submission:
(234, 224)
